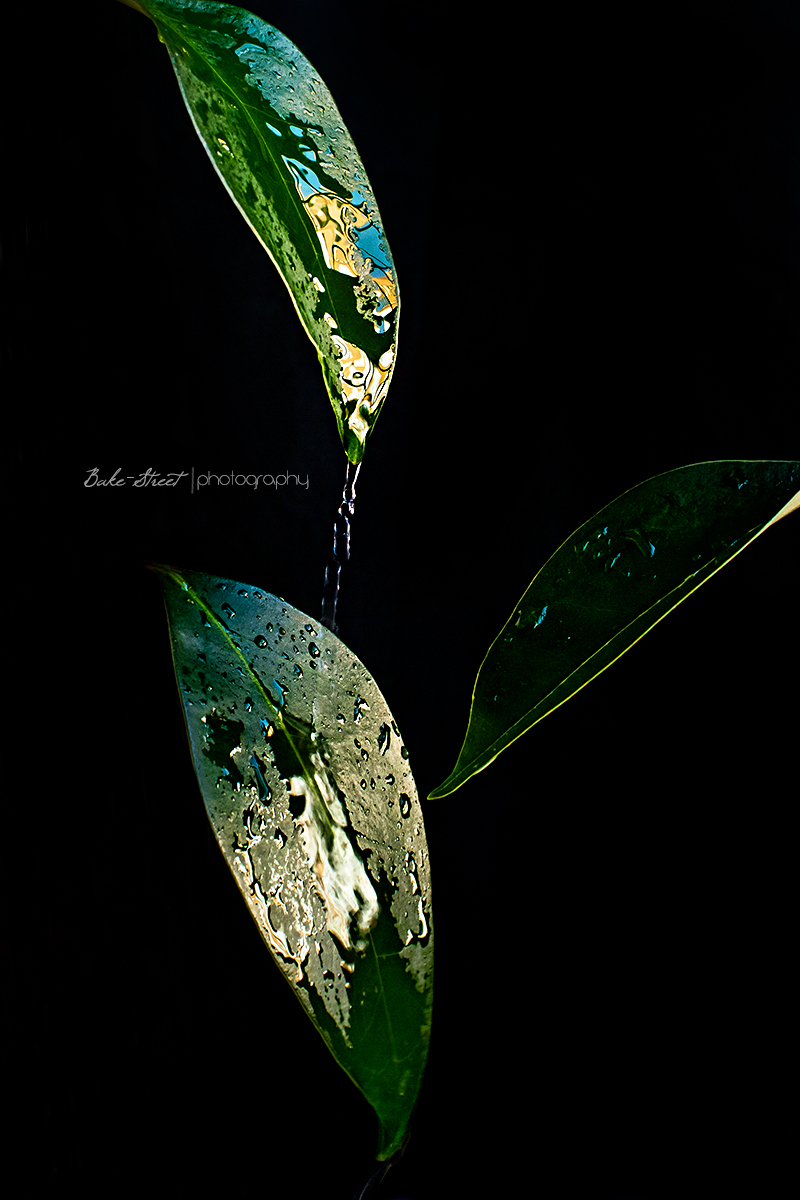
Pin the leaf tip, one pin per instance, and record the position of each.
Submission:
(450, 785)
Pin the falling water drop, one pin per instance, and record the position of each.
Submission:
(341, 548)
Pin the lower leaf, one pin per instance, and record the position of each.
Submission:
(311, 798)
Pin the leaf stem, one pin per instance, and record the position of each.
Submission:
(378, 1172)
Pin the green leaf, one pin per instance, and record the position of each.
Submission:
(311, 798)
(615, 578)
(279, 144)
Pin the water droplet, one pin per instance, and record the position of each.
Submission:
(390, 779)
(340, 717)
(405, 804)
(269, 626)
(364, 784)
(313, 650)
(248, 703)
(384, 738)
(260, 640)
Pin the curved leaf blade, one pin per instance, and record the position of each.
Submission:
(278, 142)
(309, 792)
(616, 577)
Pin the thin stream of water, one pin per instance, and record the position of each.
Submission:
(341, 548)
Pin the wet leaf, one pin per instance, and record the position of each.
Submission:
(608, 584)
(278, 142)
(311, 798)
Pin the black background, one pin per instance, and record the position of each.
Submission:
(595, 221)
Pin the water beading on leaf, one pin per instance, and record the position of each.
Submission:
(312, 801)
(278, 142)
(615, 578)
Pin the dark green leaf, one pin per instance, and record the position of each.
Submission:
(279, 144)
(608, 584)
(311, 798)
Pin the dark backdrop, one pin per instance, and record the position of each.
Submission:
(595, 221)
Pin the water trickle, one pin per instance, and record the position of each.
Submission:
(341, 548)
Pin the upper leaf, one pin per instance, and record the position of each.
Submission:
(309, 792)
(608, 584)
(278, 142)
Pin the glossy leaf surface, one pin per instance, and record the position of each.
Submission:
(616, 577)
(311, 798)
(278, 142)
